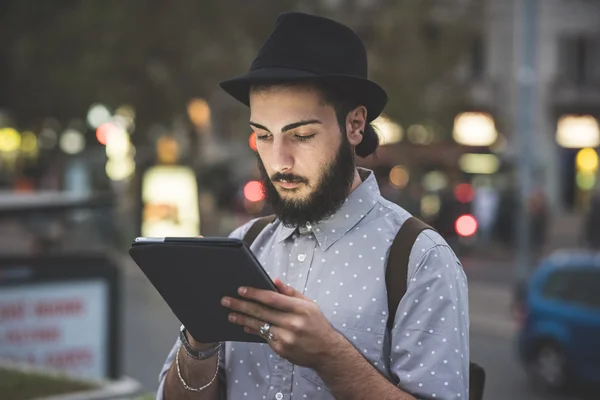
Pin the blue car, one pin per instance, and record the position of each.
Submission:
(559, 315)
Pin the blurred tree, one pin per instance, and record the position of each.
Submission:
(61, 56)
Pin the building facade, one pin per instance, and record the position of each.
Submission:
(566, 80)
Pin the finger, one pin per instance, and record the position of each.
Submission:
(245, 321)
(277, 341)
(288, 290)
(254, 310)
(277, 301)
(251, 331)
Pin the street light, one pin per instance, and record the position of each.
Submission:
(474, 129)
(578, 131)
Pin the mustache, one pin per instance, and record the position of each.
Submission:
(291, 178)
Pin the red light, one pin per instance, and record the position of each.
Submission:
(464, 193)
(466, 225)
(252, 141)
(103, 131)
(253, 191)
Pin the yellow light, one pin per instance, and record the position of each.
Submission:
(430, 205)
(587, 160)
(479, 163)
(199, 112)
(474, 129)
(585, 180)
(578, 131)
(399, 176)
(29, 144)
(10, 140)
(389, 132)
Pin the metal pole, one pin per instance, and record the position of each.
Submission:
(527, 108)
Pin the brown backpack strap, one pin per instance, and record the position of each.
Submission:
(396, 273)
(257, 228)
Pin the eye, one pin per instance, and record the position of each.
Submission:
(305, 138)
(263, 137)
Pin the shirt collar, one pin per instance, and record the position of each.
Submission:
(358, 203)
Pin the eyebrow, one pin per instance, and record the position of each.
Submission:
(288, 127)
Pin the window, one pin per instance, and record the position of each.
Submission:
(577, 286)
(477, 57)
(578, 59)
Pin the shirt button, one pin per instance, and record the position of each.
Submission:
(301, 257)
(279, 396)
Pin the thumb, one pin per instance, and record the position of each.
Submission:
(287, 290)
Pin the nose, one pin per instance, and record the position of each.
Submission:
(281, 155)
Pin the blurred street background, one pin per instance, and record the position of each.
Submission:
(112, 126)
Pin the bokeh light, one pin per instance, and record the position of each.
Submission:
(253, 191)
(430, 205)
(10, 140)
(399, 176)
(466, 225)
(199, 112)
(389, 131)
(474, 129)
(587, 160)
(120, 169)
(464, 193)
(585, 180)
(419, 134)
(252, 141)
(72, 141)
(105, 130)
(98, 114)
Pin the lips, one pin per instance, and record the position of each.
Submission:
(287, 184)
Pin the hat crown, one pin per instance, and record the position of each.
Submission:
(313, 44)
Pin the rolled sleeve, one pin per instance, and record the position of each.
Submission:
(162, 376)
(429, 354)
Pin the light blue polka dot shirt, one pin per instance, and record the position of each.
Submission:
(340, 263)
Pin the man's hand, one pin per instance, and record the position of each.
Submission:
(302, 334)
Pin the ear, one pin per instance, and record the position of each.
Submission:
(355, 124)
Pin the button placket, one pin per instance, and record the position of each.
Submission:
(302, 259)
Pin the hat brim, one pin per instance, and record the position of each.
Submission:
(366, 92)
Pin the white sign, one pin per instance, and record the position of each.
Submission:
(60, 325)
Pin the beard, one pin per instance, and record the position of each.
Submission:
(327, 197)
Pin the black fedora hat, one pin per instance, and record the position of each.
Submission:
(309, 47)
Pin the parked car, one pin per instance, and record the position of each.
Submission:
(559, 315)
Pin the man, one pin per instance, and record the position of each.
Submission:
(311, 106)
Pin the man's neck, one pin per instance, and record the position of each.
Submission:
(356, 182)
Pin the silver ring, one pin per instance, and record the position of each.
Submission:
(265, 331)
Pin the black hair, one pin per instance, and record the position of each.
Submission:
(342, 104)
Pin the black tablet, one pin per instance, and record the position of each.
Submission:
(193, 274)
